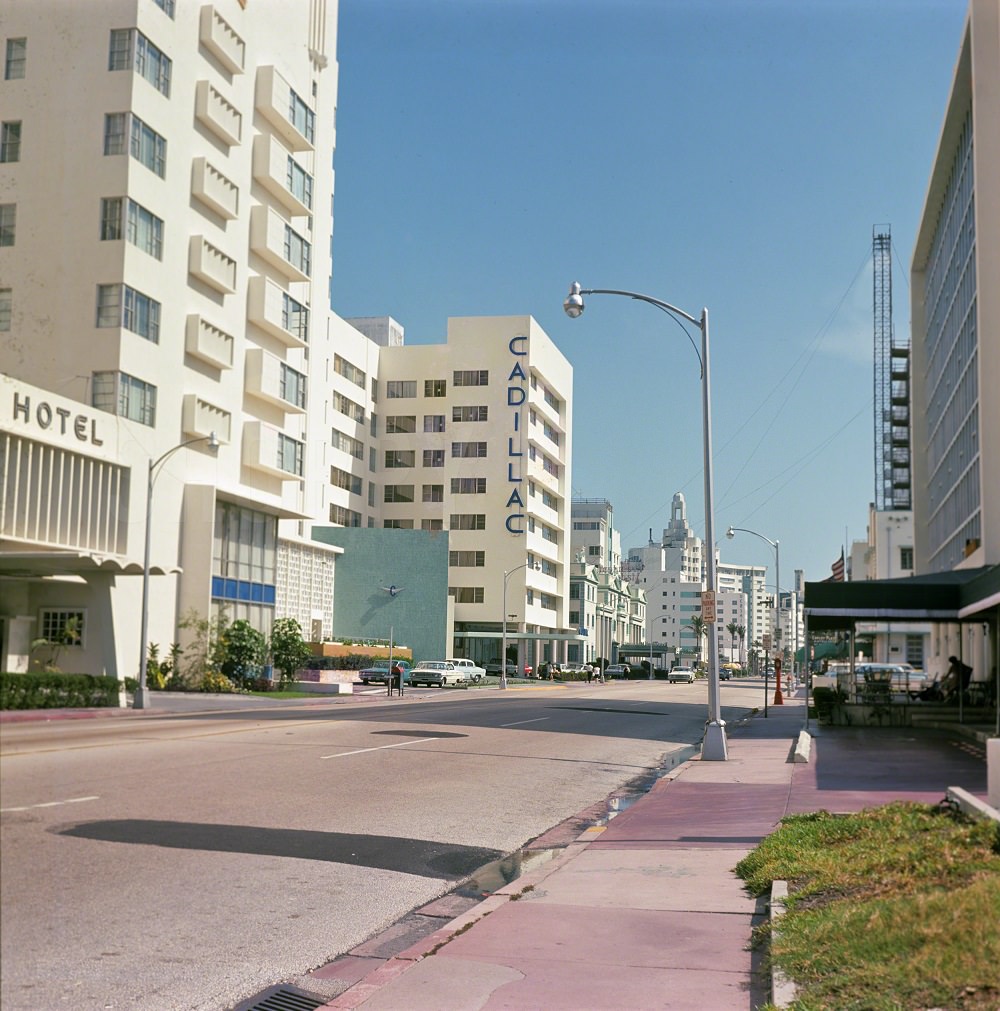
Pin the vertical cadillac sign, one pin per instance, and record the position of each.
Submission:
(517, 394)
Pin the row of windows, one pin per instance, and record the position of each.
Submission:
(431, 492)
(130, 49)
(144, 143)
(349, 371)
(118, 305)
(122, 217)
(399, 389)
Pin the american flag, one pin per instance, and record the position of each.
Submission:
(837, 570)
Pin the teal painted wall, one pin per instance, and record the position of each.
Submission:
(415, 561)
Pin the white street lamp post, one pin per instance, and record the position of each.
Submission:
(714, 747)
(503, 653)
(141, 697)
(731, 533)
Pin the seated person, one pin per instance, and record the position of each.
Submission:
(956, 679)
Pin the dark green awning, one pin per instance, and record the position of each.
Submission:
(956, 595)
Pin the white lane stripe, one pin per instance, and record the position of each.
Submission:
(541, 719)
(50, 803)
(381, 747)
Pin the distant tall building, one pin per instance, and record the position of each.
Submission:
(955, 308)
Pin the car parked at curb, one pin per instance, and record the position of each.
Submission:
(471, 670)
(378, 673)
(617, 670)
(437, 674)
(493, 667)
(680, 675)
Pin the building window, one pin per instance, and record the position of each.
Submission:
(468, 486)
(397, 493)
(346, 480)
(299, 182)
(167, 6)
(433, 457)
(468, 521)
(470, 414)
(400, 389)
(297, 251)
(344, 517)
(129, 48)
(432, 524)
(62, 626)
(8, 222)
(301, 116)
(145, 230)
(140, 313)
(400, 458)
(347, 444)
(295, 317)
(400, 424)
(148, 147)
(398, 524)
(347, 406)
(17, 58)
(433, 493)
(124, 395)
(6, 306)
(906, 558)
(468, 449)
(471, 377)
(349, 371)
(10, 142)
(433, 422)
(111, 218)
(467, 594)
(467, 559)
(290, 455)
(293, 386)
(435, 387)
(115, 129)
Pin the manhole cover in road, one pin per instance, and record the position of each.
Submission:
(415, 733)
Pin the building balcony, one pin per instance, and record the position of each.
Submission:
(208, 343)
(271, 170)
(269, 239)
(284, 109)
(217, 114)
(219, 38)
(214, 190)
(211, 265)
(271, 308)
(199, 419)
(264, 377)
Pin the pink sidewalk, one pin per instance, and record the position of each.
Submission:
(645, 912)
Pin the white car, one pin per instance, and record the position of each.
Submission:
(681, 674)
(473, 672)
(437, 674)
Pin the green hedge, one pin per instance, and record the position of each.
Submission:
(39, 690)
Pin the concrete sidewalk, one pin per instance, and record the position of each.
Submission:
(645, 912)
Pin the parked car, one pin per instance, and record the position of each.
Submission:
(437, 674)
(471, 670)
(378, 673)
(681, 674)
(617, 670)
(725, 673)
(493, 667)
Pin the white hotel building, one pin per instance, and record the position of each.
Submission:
(165, 230)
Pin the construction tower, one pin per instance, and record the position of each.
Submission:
(892, 387)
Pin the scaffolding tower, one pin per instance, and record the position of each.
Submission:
(893, 488)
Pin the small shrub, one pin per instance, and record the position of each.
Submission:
(216, 681)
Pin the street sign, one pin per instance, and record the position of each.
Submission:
(767, 641)
(708, 606)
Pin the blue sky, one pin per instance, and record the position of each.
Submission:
(734, 155)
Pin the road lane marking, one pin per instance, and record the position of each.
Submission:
(541, 719)
(381, 747)
(50, 803)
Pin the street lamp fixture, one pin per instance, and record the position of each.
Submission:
(141, 697)
(537, 566)
(714, 747)
(731, 533)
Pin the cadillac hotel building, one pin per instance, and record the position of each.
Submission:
(165, 230)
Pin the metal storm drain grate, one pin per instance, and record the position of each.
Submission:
(282, 998)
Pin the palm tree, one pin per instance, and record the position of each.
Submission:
(700, 629)
(732, 628)
(741, 631)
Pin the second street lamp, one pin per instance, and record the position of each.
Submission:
(714, 747)
(503, 652)
(731, 533)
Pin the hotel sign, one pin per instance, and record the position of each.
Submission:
(516, 396)
(42, 415)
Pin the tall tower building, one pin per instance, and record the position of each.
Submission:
(165, 220)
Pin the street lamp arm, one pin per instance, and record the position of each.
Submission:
(744, 530)
(213, 443)
(574, 302)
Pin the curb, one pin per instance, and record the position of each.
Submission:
(783, 990)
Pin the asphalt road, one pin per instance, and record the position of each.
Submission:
(188, 861)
